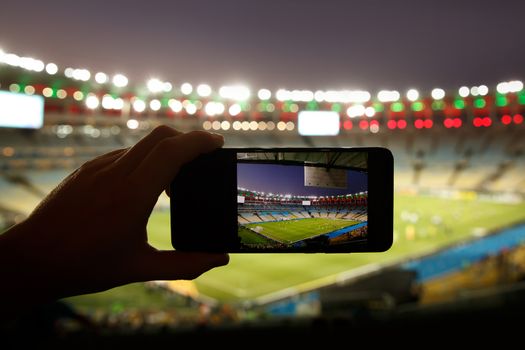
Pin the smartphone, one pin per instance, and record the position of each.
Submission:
(284, 200)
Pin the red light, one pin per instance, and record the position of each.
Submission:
(457, 122)
(428, 123)
(401, 124)
(419, 123)
(486, 122)
(347, 125)
(518, 119)
(448, 123)
(374, 122)
(363, 124)
(506, 119)
(391, 124)
(477, 122)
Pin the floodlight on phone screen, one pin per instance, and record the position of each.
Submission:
(318, 123)
(21, 110)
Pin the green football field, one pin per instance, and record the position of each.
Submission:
(421, 225)
(290, 231)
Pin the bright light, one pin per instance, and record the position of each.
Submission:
(155, 105)
(21, 111)
(68, 72)
(388, 96)
(412, 95)
(61, 94)
(264, 94)
(282, 95)
(225, 125)
(342, 96)
(78, 95)
(48, 92)
(355, 111)
(155, 85)
(92, 102)
(509, 86)
(370, 111)
(118, 103)
(175, 105)
(234, 109)
(120, 80)
(235, 92)
(29, 90)
(204, 90)
(214, 108)
(51, 68)
(101, 78)
(474, 91)
(483, 90)
(464, 91)
(186, 88)
(316, 123)
(81, 74)
(132, 124)
(437, 93)
(191, 109)
(139, 106)
(107, 102)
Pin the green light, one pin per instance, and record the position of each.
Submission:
(479, 103)
(418, 106)
(459, 103)
(379, 107)
(397, 107)
(438, 105)
(261, 106)
(521, 97)
(286, 107)
(501, 101)
(311, 106)
(336, 107)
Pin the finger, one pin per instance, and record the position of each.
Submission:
(176, 265)
(104, 159)
(132, 158)
(158, 169)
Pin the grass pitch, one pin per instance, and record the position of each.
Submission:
(421, 225)
(290, 231)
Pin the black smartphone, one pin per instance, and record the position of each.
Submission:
(289, 200)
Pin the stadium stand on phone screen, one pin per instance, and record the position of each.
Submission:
(295, 201)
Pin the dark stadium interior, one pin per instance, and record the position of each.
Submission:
(457, 265)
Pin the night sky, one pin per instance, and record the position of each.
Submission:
(294, 44)
(286, 179)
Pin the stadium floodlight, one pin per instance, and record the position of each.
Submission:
(234, 109)
(437, 93)
(483, 90)
(302, 95)
(68, 72)
(155, 105)
(107, 101)
(175, 105)
(191, 108)
(132, 124)
(370, 111)
(412, 95)
(464, 91)
(155, 85)
(203, 90)
(316, 123)
(388, 96)
(51, 68)
(139, 106)
(235, 92)
(283, 95)
(509, 86)
(92, 101)
(101, 78)
(474, 91)
(186, 88)
(355, 111)
(264, 94)
(120, 80)
(81, 74)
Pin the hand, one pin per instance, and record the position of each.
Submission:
(89, 234)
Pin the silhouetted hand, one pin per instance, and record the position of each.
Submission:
(89, 234)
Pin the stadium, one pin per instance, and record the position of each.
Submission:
(459, 208)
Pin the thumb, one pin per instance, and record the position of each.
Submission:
(176, 265)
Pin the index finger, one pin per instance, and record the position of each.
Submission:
(160, 166)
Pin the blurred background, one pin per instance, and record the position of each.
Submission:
(439, 84)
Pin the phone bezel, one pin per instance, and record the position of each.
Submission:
(379, 204)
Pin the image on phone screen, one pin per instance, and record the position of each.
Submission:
(302, 201)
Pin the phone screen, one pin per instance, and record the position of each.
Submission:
(284, 200)
(302, 201)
